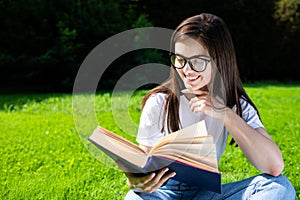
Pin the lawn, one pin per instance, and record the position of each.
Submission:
(43, 156)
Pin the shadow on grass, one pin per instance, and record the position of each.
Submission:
(10, 102)
(12, 99)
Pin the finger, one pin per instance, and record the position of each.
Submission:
(203, 107)
(139, 180)
(138, 189)
(196, 107)
(149, 178)
(195, 92)
(197, 98)
(166, 177)
(200, 106)
(130, 185)
(155, 180)
(159, 175)
(201, 93)
(187, 91)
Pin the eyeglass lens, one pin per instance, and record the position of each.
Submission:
(197, 64)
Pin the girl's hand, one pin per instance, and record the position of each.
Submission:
(203, 102)
(150, 182)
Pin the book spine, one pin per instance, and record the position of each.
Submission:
(152, 165)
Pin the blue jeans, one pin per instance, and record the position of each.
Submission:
(259, 187)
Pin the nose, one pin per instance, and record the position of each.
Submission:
(187, 68)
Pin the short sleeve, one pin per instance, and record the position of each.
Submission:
(149, 132)
(250, 114)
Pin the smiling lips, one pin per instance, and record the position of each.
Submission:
(191, 78)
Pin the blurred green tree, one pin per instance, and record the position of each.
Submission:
(42, 43)
(287, 15)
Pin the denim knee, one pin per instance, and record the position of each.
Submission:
(279, 187)
(131, 195)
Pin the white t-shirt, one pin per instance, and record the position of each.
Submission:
(150, 126)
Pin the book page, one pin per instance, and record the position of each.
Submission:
(208, 158)
(119, 146)
(191, 162)
(186, 141)
(191, 145)
(182, 136)
(208, 150)
(119, 138)
(201, 149)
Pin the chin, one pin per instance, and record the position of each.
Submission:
(198, 87)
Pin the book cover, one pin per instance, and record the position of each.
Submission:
(201, 171)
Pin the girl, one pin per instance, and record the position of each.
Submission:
(201, 44)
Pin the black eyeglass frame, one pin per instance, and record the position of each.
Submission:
(188, 60)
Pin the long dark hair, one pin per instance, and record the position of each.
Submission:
(212, 33)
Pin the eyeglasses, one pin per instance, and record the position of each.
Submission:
(198, 63)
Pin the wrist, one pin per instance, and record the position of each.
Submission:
(221, 114)
(229, 115)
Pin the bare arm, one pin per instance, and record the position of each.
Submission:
(256, 144)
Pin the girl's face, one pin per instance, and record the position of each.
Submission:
(192, 79)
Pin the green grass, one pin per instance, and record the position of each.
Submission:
(43, 157)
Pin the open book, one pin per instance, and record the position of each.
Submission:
(190, 152)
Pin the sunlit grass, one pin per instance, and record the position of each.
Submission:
(43, 157)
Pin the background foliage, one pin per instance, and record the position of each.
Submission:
(43, 43)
